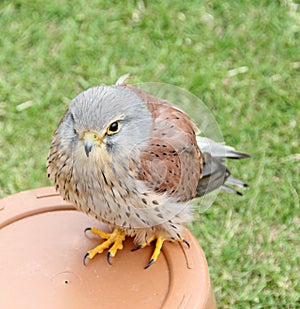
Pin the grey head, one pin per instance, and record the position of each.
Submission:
(112, 118)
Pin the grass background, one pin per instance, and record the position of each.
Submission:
(52, 50)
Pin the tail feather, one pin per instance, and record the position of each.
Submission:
(230, 190)
(235, 182)
(219, 150)
(215, 174)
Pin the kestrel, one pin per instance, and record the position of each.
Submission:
(134, 161)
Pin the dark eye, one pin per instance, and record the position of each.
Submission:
(113, 128)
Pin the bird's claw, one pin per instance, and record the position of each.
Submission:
(85, 257)
(186, 242)
(87, 229)
(108, 257)
(158, 246)
(113, 242)
(137, 248)
(150, 263)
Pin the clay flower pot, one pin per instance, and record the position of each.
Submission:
(42, 246)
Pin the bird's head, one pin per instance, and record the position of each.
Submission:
(104, 124)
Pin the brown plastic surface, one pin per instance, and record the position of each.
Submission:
(41, 249)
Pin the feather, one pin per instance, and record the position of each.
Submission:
(219, 150)
(215, 174)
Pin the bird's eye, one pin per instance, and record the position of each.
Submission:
(113, 128)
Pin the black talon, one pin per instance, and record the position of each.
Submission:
(137, 248)
(108, 257)
(87, 229)
(186, 242)
(150, 263)
(84, 258)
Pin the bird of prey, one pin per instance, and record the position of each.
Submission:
(134, 161)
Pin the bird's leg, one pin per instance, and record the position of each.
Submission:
(100, 233)
(158, 246)
(114, 241)
(145, 244)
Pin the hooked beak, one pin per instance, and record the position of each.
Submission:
(90, 140)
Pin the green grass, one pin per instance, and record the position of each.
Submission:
(52, 50)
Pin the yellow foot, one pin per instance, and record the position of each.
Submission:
(114, 241)
(158, 246)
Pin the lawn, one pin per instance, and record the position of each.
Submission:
(241, 58)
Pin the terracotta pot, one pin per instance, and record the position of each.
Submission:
(42, 246)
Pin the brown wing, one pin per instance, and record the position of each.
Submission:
(172, 161)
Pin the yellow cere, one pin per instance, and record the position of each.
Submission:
(93, 137)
